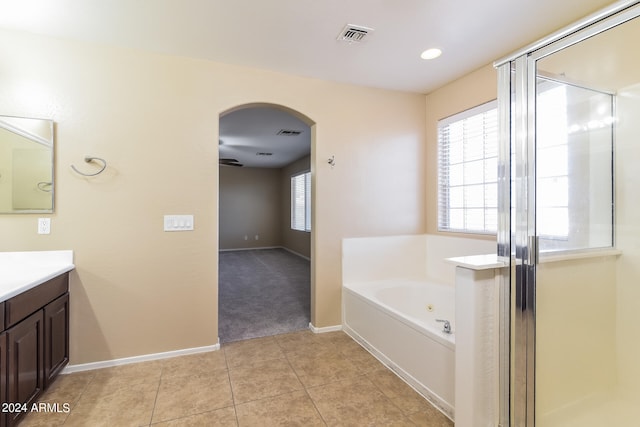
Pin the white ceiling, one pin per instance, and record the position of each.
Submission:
(247, 134)
(300, 36)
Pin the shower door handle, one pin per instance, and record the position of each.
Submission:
(532, 250)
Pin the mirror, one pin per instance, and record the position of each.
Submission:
(26, 165)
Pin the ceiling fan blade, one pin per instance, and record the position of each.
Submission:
(225, 161)
(232, 164)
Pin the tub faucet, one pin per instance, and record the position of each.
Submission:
(446, 328)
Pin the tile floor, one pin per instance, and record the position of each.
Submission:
(295, 379)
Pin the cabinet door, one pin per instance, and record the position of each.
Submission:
(56, 337)
(25, 362)
(3, 375)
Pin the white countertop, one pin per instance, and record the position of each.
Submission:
(21, 271)
(478, 262)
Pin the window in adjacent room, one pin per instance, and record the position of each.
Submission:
(301, 202)
(468, 171)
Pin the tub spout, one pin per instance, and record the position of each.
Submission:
(446, 328)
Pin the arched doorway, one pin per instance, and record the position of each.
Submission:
(265, 211)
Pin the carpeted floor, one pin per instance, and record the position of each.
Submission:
(262, 292)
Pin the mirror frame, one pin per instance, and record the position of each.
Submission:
(50, 125)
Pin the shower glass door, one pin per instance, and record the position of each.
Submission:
(575, 226)
(575, 367)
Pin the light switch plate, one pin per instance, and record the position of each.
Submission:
(178, 222)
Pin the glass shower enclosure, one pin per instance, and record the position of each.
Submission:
(570, 224)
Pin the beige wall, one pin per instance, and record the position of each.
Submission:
(627, 180)
(297, 241)
(474, 89)
(137, 289)
(250, 202)
(257, 201)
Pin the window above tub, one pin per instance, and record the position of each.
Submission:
(468, 171)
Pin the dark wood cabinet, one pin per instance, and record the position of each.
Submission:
(3, 375)
(35, 346)
(22, 305)
(56, 337)
(25, 363)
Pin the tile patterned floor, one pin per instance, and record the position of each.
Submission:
(296, 379)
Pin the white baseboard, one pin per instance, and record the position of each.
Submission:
(324, 329)
(267, 247)
(250, 249)
(296, 253)
(137, 359)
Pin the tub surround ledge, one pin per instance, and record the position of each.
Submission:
(478, 262)
(21, 271)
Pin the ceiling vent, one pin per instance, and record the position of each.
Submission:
(289, 132)
(354, 33)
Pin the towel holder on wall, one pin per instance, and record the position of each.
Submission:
(44, 186)
(90, 159)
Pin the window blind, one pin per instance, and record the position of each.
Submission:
(301, 202)
(468, 171)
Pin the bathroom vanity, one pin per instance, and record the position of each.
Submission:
(34, 320)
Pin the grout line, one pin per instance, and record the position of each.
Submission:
(233, 397)
(82, 392)
(305, 388)
(235, 411)
(313, 402)
(381, 390)
(155, 401)
(192, 415)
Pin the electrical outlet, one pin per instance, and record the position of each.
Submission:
(257, 236)
(44, 225)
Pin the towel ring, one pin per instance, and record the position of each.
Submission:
(90, 159)
(44, 186)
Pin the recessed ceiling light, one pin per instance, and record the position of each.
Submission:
(431, 53)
